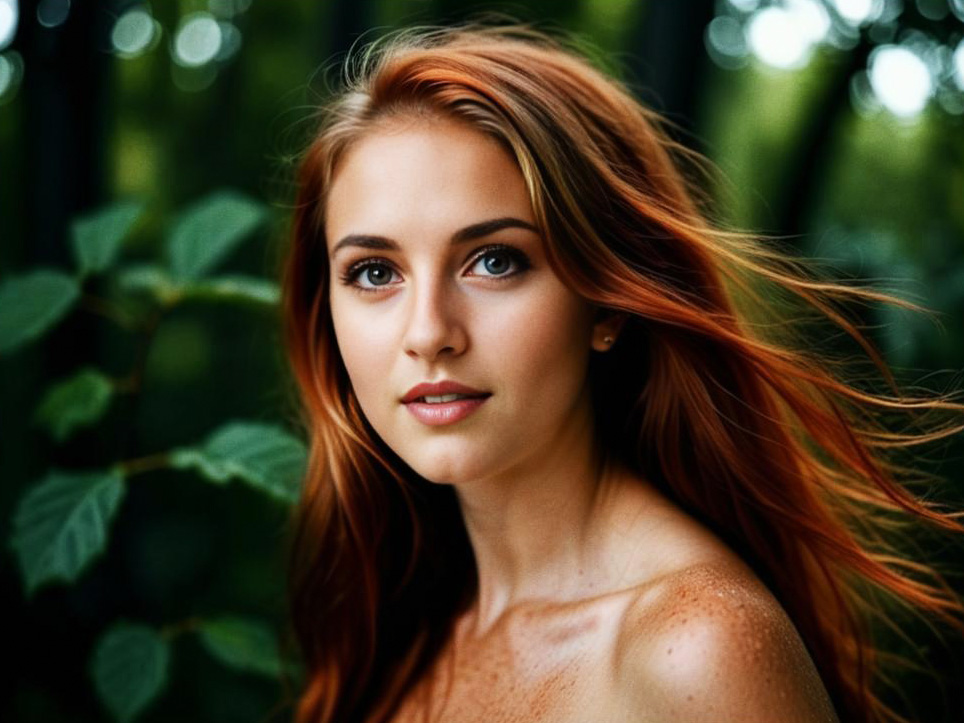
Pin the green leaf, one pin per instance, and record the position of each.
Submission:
(236, 287)
(129, 667)
(157, 281)
(76, 402)
(263, 455)
(32, 303)
(149, 278)
(243, 644)
(209, 231)
(61, 524)
(97, 237)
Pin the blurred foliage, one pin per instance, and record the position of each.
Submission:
(62, 523)
(137, 378)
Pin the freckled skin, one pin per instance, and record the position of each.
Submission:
(734, 656)
(605, 660)
(543, 662)
(731, 653)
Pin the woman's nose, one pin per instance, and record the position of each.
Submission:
(435, 324)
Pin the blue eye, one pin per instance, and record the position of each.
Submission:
(375, 272)
(498, 260)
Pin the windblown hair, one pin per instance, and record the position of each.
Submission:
(712, 392)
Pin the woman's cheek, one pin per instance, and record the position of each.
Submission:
(557, 336)
(362, 344)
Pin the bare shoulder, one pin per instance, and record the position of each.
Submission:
(710, 643)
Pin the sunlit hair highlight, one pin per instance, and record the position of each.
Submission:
(712, 392)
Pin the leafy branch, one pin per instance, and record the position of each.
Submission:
(62, 523)
(130, 663)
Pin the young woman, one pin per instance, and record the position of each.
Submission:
(569, 459)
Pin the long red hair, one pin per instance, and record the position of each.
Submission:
(712, 392)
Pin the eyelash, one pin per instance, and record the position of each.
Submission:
(351, 274)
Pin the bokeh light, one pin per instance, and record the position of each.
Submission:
(8, 22)
(811, 17)
(198, 40)
(900, 79)
(951, 100)
(958, 65)
(11, 73)
(777, 39)
(230, 40)
(6, 74)
(134, 32)
(726, 42)
(843, 36)
(892, 9)
(908, 67)
(933, 9)
(859, 12)
(862, 96)
(52, 13)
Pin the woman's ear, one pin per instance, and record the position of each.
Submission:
(606, 328)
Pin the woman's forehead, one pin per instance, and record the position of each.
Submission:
(441, 174)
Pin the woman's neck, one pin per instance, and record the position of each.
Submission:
(555, 530)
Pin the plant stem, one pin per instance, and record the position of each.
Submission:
(133, 382)
(149, 463)
(109, 310)
(132, 386)
(187, 625)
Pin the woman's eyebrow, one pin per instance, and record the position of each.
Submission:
(469, 233)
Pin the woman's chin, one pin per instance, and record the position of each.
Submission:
(456, 472)
(444, 475)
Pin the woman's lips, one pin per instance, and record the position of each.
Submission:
(441, 387)
(444, 412)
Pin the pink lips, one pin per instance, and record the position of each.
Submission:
(444, 412)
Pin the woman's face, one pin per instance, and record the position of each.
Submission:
(437, 273)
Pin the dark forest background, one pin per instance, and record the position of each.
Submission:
(838, 124)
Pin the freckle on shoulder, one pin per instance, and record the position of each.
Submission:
(706, 597)
(712, 638)
(672, 631)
